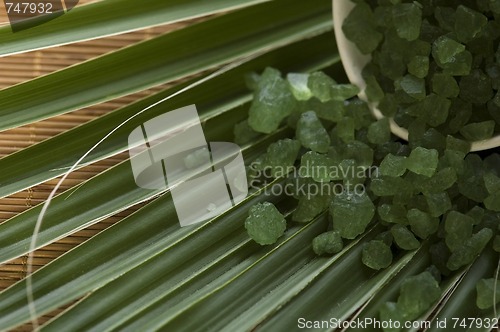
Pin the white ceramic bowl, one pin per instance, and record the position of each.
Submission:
(354, 62)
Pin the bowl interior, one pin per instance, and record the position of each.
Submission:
(354, 61)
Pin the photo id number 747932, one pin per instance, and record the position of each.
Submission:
(28, 8)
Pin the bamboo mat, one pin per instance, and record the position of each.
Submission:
(18, 68)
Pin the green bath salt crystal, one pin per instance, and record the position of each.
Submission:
(466, 253)
(445, 50)
(341, 92)
(458, 229)
(280, 157)
(359, 27)
(438, 203)
(436, 274)
(393, 213)
(460, 114)
(387, 186)
(423, 161)
(478, 131)
(385, 237)
(470, 182)
(273, 102)
(345, 129)
(491, 182)
(351, 213)
(321, 85)
(412, 86)
(379, 131)
(299, 86)
(316, 166)
(407, 19)
(453, 143)
(265, 224)
(310, 206)
(311, 133)
(404, 238)
(389, 311)
(435, 109)
(476, 213)
(332, 110)
(393, 165)
(468, 23)
(419, 66)
(445, 85)
(461, 65)
(417, 295)
(376, 255)
(445, 17)
(492, 202)
(327, 243)
(485, 290)
(388, 105)
(452, 56)
(373, 90)
(476, 87)
(422, 224)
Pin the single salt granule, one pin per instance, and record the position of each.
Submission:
(341, 92)
(360, 27)
(451, 56)
(389, 311)
(281, 156)
(311, 133)
(265, 224)
(327, 243)
(485, 293)
(321, 85)
(404, 238)
(478, 131)
(393, 165)
(379, 131)
(445, 85)
(407, 20)
(417, 294)
(310, 206)
(387, 185)
(393, 213)
(466, 253)
(438, 203)
(412, 86)
(273, 102)
(423, 161)
(299, 85)
(316, 166)
(422, 224)
(476, 87)
(376, 255)
(419, 66)
(468, 23)
(351, 213)
(492, 202)
(345, 129)
(458, 229)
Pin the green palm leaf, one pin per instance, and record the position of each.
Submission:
(106, 18)
(213, 98)
(168, 57)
